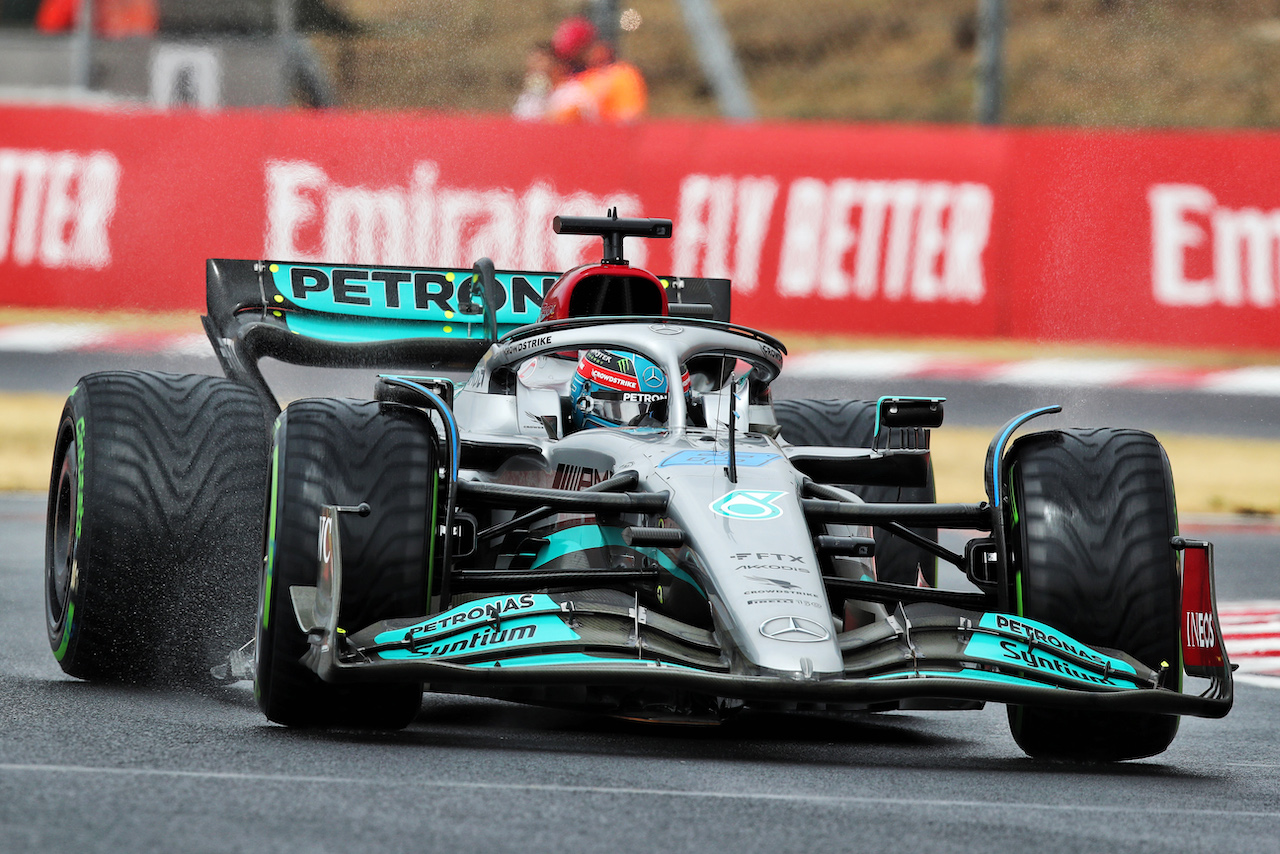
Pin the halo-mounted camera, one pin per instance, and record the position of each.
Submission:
(612, 229)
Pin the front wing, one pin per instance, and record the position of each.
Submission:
(605, 638)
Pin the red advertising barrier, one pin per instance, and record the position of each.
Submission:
(1168, 238)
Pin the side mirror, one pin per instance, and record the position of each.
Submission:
(482, 284)
(910, 412)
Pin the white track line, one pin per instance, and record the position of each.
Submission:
(92, 337)
(858, 364)
(838, 800)
(1066, 373)
(1260, 380)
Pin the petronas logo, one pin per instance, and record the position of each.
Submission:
(748, 504)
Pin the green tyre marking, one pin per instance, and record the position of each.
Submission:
(79, 474)
(61, 651)
(271, 535)
(1017, 577)
(431, 533)
(1017, 711)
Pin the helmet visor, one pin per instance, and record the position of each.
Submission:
(624, 408)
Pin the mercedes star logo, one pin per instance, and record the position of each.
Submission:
(665, 329)
(796, 629)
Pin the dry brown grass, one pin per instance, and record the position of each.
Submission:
(28, 426)
(1213, 475)
(1071, 62)
(122, 321)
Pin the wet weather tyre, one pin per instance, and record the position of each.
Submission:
(154, 520)
(344, 452)
(852, 424)
(1093, 513)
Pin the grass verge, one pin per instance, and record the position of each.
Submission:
(1212, 474)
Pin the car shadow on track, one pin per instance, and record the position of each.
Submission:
(952, 741)
(883, 740)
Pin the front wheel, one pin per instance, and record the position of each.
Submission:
(155, 502)
(1093, 513)
(344, 452)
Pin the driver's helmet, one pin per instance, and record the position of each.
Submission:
(616, 389)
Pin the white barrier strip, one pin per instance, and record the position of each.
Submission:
(1260, 380)
(1251, 631)
(51, 337)
(89, 337)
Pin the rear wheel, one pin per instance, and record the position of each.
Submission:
(1093, 514)
(155, 507)
(852, 424)
(344, 452)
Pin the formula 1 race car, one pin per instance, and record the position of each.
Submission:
(610, 513)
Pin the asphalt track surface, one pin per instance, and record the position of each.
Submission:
(102, 768)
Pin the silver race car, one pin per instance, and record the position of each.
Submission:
(609, 513)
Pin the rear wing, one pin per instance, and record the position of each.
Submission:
(398, 318)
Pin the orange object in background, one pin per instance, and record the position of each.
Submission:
(111, 18)
(619, 89)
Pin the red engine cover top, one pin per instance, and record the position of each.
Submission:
(604, 289)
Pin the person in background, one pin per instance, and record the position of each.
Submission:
(570, 101)
(602, 87)
(539, 74)
(111, 18)
(570, 42)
